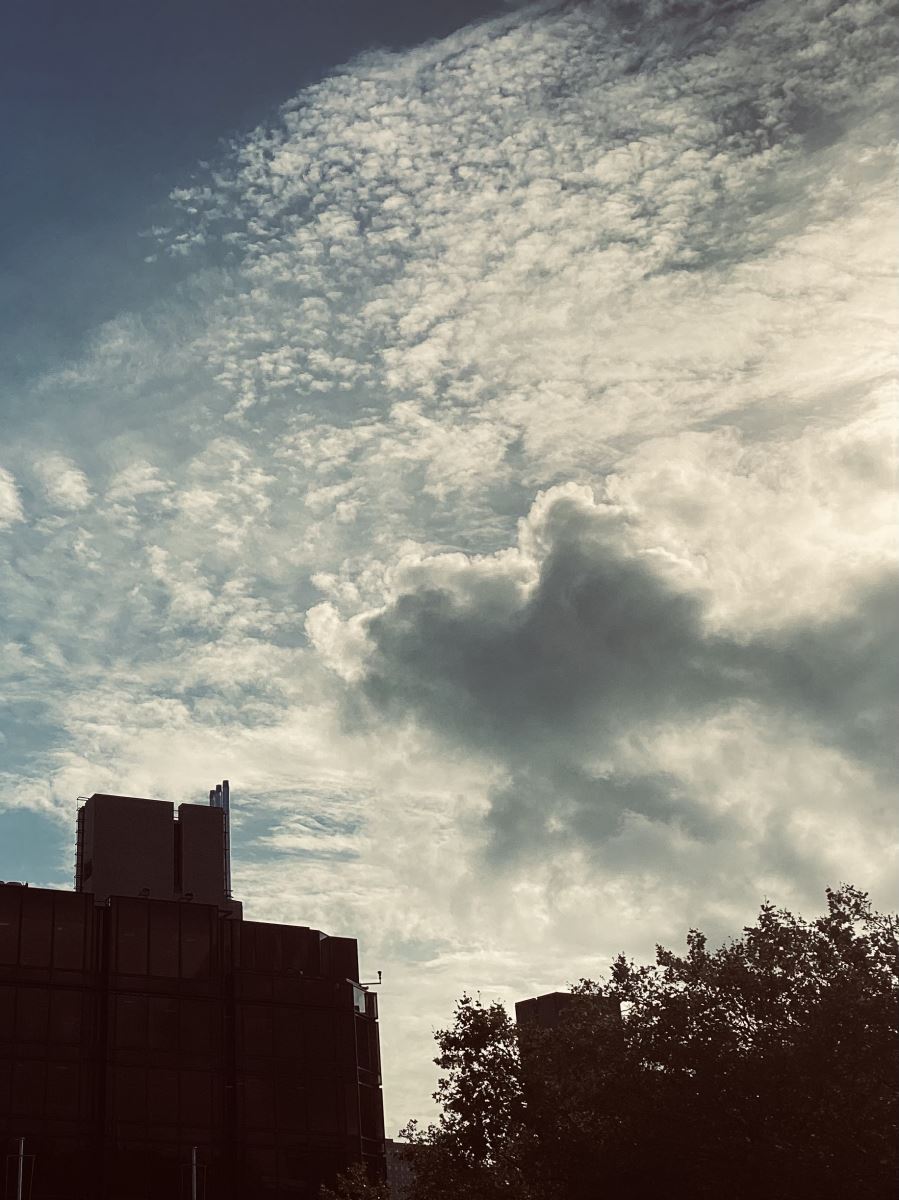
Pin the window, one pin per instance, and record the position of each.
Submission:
(318, 1038)
(7, 1011)
(196, 1099)
(164, 933)
(258, 1106)
(63, 1084)
(32, 1014)
(364, 1056)
(131, 937)
(28, 1087)
(9, 925)
(65, 1017)
(68, 933)
(291, 1103)
(256, 1031)
(131, 1022)
(371, 1111)
(196, 942)
(162, 1096)
(322, 1106)
(162, 1021)
(130, 1100)
(199, 1026)
(37, 929)
(288, 1033)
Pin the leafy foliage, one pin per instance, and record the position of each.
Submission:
(354, 1184)
(473, 1150)
(767, 1067)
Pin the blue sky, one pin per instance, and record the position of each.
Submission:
(107, 104)
(471, 438)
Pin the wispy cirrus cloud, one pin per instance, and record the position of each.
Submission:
(10, 501)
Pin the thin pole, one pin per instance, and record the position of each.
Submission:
(193, 1173)
(20, 1179)
(226, 826)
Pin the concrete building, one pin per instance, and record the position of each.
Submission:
(155, 1044)
(402, 1158)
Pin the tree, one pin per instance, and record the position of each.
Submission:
(767, 1067)
(354, 1184)
(474, 1151)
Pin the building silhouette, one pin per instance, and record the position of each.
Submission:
(154, 1044)
(403, 1160)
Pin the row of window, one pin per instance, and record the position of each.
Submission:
(147, 1171)
(38, 1014)
(47, 929)
(142, 1098)
(310, 1036)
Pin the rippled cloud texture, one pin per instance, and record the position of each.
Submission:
(504, 504)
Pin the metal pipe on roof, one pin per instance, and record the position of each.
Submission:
(226, 827)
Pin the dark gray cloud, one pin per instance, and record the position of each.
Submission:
(605, 649)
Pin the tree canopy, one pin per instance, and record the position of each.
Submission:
(764, 1068)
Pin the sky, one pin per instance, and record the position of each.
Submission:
(468, 428)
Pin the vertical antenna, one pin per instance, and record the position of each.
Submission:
(20, 1173)
(226, 824)
(220, 797)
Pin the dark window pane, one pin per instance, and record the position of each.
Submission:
(68, 933)
(291, 1104)
(37, 929)
(372, 1114)
(363, 1045)
(340, 958)
(130, 1103)
(32, 1014)
(261, 1172)
(196, 1098)
(322, 1106)
(268, 948)
(288, 1034)
(164, 940)
(162, 1016)
(198, 1026)
(295, 1168)
(196, 942)
(258, 1107)
(131, 1022)
(294, 949)
(131, 937)
(65, 1016)
(162, 1096)
(318, 1036)
(9, 925)
(256, 1031)
(63, 1081)
(351, 1096)
(7, 1013)
(28, 1086)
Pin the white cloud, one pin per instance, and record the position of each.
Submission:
(10, 502)
(65, 485)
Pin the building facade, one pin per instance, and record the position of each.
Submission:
(155, 1044)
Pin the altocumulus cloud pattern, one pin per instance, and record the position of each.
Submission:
(505, 494)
